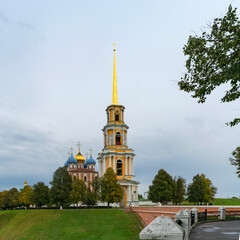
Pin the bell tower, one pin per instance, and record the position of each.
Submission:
(116, 153)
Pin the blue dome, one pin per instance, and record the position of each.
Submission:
(85, 164)
(66, 164)
(91, 160)
(72, 160)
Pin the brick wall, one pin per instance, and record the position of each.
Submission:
(150, 213)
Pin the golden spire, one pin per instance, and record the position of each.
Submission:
(25, 182)
(115, 98)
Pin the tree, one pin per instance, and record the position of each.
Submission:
(111, 191)
(78, 192)
(179, 190)
(161, 189)
(201, 190)
(140, 196)
(11, 198)
(235, 160)
(61, 187)
(90, 198)
(26, 196)
(40, 194)
(214, 60)
(96, 184)
(2, 195)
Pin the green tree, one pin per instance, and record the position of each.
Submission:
(61, 187)
(78, 192)
(235, 160)
(11, 198)
(201, 190)
(26, 196)
(179, 190)
(111, 191)
(213, 59)
(96, 184)
(2, 195)
(90, 199)
(161, 189)
(40, 194)
(140, 196)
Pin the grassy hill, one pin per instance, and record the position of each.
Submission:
(101, 224)
(227, 201)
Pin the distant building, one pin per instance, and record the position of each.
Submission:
(116, 153)
(82, 168)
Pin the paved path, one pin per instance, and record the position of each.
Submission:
(216, 231)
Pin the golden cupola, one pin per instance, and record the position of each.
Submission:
(79, 157)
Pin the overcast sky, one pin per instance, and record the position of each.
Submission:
(56, 66)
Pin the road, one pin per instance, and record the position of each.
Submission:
(228, 230)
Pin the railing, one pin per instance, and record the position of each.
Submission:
(233, 215)
(208, 215)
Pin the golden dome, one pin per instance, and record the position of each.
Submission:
(80, 157)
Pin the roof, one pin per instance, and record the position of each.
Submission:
(72, 160)
(80, 157)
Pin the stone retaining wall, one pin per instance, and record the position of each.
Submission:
(148, 214)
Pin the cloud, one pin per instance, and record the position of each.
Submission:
(27, 152)
(3, 18)
(26, 25)
(186, 153)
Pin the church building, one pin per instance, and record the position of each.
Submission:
(82, 168)
(116, 153)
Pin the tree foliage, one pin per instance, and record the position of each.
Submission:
(214, 60)
(61, 187)
(111, 191)
(96, 184)
(91, 198)
(40, 194)
(161, 189)
(179, 189)
(11, 198)
(235, 160)
(201, 190)
(2, 196)
(78, 192)
(26, 196)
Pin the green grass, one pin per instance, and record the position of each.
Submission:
(90, 224)
(227, 201)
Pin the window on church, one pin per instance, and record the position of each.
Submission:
(119, 167)
(118, 138)
(108, 117)
(85, 178)
(117, 116)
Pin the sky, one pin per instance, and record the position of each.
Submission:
(56, 70)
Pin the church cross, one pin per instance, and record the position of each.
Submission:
(79, 145)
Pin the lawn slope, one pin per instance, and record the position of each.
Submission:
(101, 224)
(227, 201)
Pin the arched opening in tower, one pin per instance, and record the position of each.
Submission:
(118, 138)
(117, 116)
(119, 168)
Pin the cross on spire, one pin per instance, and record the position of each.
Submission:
(79, 145)
(71, 150)
(90, 150)
(68, 154)
(86, 155)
